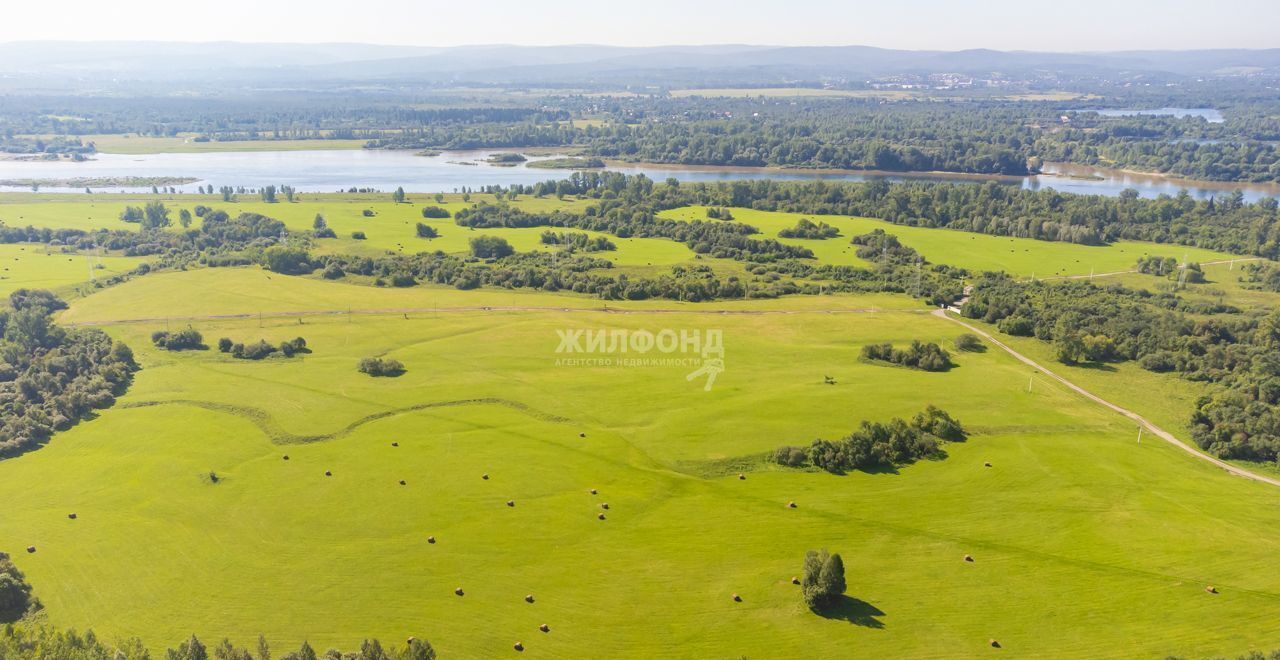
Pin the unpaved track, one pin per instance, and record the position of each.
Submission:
(1161, 433)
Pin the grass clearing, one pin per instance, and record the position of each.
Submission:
(31, 265)
(978, 252)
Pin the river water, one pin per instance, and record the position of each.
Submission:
(330, 171)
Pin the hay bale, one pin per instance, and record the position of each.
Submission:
(395, 444)
(986, 465)
(431, 540)
(485, 476)
(511, 502)
(286, 457)
(968, 558)
(528, 598)
(544, 628)
(601, 516)
(593, 491)
(31, 549)
(737, 598)
(742, 477)
(458, 591)
(1211, 589)
(582, 435)
(518, 646)
(402, 482)
(795, 580)
(72, 516)
(791, 505)
(604, 505)
(328, 473)
(994, 644)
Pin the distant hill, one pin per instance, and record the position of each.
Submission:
(260, 63)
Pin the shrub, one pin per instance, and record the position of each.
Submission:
(182, 340)
(378, 367)
(968, 343)
(358, 235)
(225, 344)
(427, 231)
(287, 260)
(790, 456)
(926, 357)
(368, 213)
(434, 212)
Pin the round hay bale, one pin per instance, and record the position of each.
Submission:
(791, 505)
(72, 516)
(410, 640)
(402, 482)
(604, 505)
(593, 491)
(601, 516)
(795, 580)
(431, 540)
(986, 465)
(528, 598)
(742, 477)
(395, 444)
(1211, 589)
(328, 473)
(485, 476)
(582, 435)
(518, 646)
(511, 502)
(544, 628)
(737, 598)
(968, 558)
(286, 457)
(458, 591)
(994, 644)
(31, 549)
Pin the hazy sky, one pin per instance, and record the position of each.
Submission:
(1071, 25)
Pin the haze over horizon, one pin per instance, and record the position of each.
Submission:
(1086, 26)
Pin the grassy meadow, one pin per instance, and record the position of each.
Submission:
(1086, 544)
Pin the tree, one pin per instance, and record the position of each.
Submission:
(184, 218)
(823, 581)
(15, 593)
(155, 216)
(426, 231)
(434, 212)
(192, 649)
(287, 260)
(398, 195)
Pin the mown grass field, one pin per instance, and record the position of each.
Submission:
(978, 252)
(35, 266)
(1086, 544)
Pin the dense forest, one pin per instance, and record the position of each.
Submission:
(51, 377)
(980, 135)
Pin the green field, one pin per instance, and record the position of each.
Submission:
(1086, 544)
(35, 266)
(978, 252)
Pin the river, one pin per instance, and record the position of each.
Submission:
(330, 171)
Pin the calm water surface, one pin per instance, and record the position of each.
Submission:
(330, 171)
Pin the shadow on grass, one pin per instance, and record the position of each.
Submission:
(1097, 366)
(856, 611)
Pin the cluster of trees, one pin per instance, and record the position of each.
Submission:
(29, 639)
(320, 228)
(379, 367)
(807, 228)
(260, 349)
(490, 247)
(187, 339)
(1238, 417)
(154, 215)
(574, 240)
(823, 582)
(876, 445)
(1261, 275)
(926, 357)
(15, 593)
(434, 212)
(52, 377)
